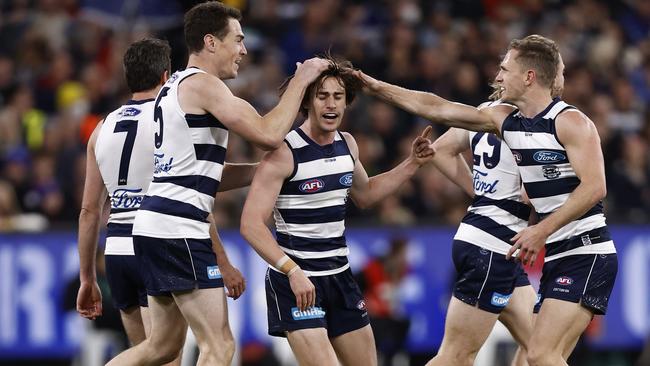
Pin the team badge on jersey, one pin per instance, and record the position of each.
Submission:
(551, 171)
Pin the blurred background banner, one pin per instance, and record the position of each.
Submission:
(37, 317)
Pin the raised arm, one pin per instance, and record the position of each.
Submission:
(89, 297)
(204, 92)
(365, 191)
(580, 138)
(449, 159)
(236, 175)
(435, 108)
(274, 168)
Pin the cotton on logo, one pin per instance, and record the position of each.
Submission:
(564, 281)
(312, 185)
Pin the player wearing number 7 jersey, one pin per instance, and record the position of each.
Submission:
(120, 166)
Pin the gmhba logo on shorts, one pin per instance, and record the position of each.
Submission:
(314, 312)
(214, 273)
(500, 300)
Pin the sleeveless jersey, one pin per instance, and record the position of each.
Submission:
(549, 179)
(310, 209)
(497, 213)
(189, 153)
(123, 151)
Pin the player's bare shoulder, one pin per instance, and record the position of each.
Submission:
(197, 91)
(498, 110)
(573, 124)
(352, 143)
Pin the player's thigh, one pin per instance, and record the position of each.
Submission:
(312, 347)
(356, 347)
(167, 324)
(146, 320)
(518, 314)
(558, 324)
(133, 326)
(466, 328)
(206, 312)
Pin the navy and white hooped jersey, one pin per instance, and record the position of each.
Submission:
(123, 151)
(189, 153)
(497, 212)
(549, 179)
(310, 209)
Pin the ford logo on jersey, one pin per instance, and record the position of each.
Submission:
(564, 281)
(346, 180)
(500, 300)
(130, 112)
(313, 312)
(126, 198)
(482, 186)
(548, 157)
(312, 185)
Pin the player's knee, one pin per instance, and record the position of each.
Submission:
(165, 352)
(538, 356)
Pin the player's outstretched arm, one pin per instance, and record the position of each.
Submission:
(449, 160)
(580, 138)
(365, 191)
(433, 107)
(274, 168)
(89, 297)
(232, 277)
(204, 92)
(236, 175)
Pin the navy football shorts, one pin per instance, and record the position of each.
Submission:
(584, 278)
(175, 265)
(125, 281)
(340, 307)
(485, 278)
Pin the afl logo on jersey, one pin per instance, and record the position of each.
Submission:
(312, 185)
(129, 112)
(517, 157)
(346, 180)
(548, 157)
(564, 281)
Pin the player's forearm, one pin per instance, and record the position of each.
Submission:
(261, 240)
(387, 183)
(583, 198)
(278, 122)
(87, 244)
(455, 169)
(237, 175)
(413, 101)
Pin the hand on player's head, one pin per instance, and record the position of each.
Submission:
(311, 69)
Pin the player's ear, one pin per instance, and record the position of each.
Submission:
(164, 77)
(210, 42)
(530, 77)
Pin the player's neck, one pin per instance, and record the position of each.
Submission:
(146, 94)
(534, 102)
(317, 135)
(200, 61)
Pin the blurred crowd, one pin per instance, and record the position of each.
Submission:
(61, 72)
